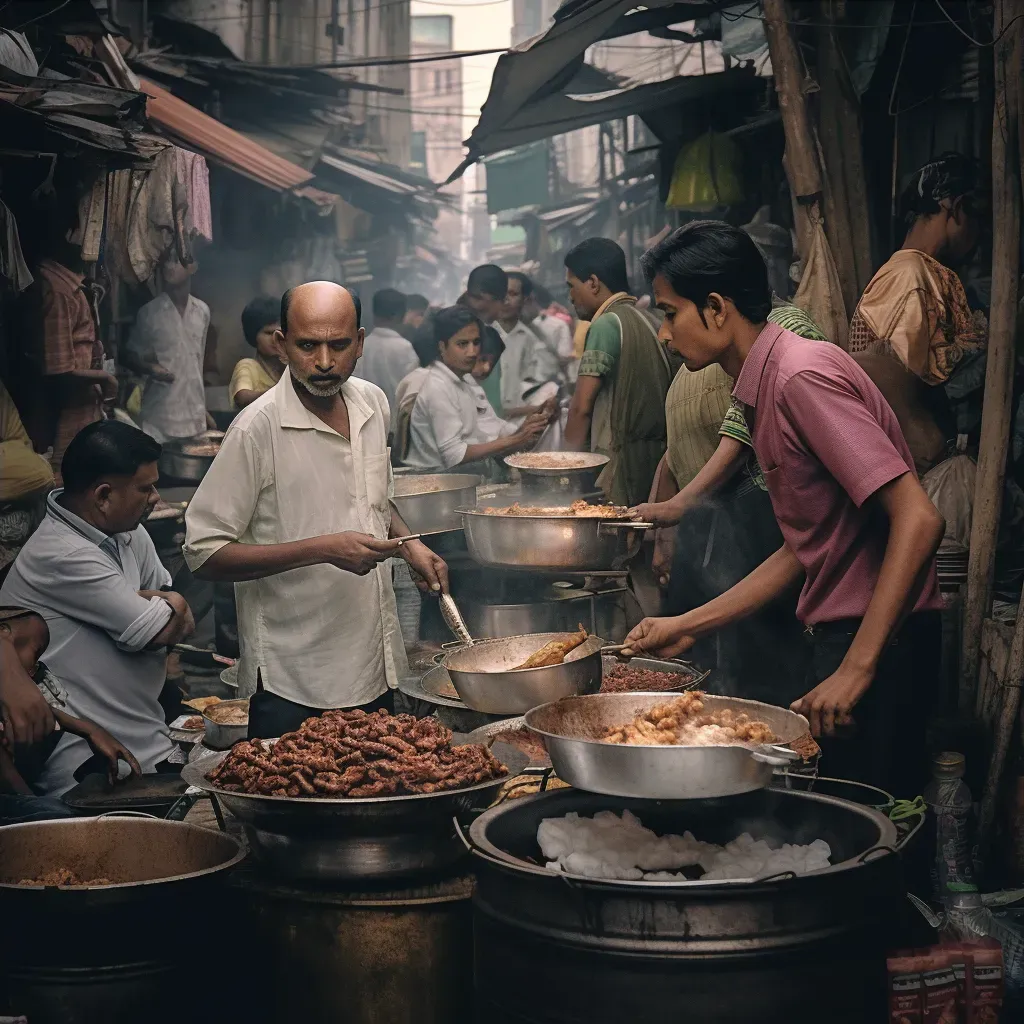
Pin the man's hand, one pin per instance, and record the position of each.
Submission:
(27, 717)
(667, 638)
(664, 552)
(161, 374)
(533, 426)
(428, 570)
(181, 624)
(661, 513)
(106, 746)
(357, 552)
(109, 386)
(829, 704)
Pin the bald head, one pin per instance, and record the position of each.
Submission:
(320, 336)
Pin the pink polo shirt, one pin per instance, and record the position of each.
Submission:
(826, 440)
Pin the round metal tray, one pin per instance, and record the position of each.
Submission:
(594, 461)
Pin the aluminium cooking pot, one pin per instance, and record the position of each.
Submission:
(427, 504)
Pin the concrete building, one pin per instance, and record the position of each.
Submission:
(317, 32)
(437, 124)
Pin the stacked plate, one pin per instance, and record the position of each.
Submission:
(951, 565)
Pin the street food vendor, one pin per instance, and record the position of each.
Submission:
(859, 532)
(295, 512)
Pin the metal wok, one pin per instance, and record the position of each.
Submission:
(570, 728)
(322, 838)
(486, 679)
(551, 543)
(428, 504)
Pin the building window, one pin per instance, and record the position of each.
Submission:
(418, 151)
(449, 80)
(437, 83)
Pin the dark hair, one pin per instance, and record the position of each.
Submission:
(257, 314)
(286, 301)
(713, 257)
(388, 304)
(104, 449)
(491, 345)
(14, 613)
(602, 258)
(416, 303)
(542, 295)
(488, 280)
(523, 280)
(449, 321)
(423, 339)
(949, 176)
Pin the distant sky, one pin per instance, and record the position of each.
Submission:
(478, 26)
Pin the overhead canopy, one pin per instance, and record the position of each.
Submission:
(372, 185)
(543, 87)
(231, 149)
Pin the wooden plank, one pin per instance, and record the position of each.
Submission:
(995, 421)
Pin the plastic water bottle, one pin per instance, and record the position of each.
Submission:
(949, 801)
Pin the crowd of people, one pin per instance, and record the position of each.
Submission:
(795, 544)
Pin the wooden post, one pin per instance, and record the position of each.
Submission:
(995, 420)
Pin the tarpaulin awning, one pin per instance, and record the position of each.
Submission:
(229, 148)
(540, 88)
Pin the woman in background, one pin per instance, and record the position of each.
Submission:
(253, 377)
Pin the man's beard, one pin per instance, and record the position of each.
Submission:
(320, 391)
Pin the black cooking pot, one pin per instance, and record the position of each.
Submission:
(799, 949)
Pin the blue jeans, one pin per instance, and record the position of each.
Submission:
(15, 808)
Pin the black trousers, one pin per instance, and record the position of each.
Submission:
(271, 715)
(886, 745)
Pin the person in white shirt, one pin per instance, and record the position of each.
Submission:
(553, 357)
(452, 422)
(168, 345)
(387, 356)
(92, 572)
(519, 359)
(295, 512)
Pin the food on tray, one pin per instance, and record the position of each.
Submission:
(554, 651)
(684, 722)
(609, 846)
(355, 754)
(193, 722)
(578, 509)
(522, 739)
(161, 510)
(233, 714)
(626, 678)
(554, 460)
(63, 876)
(205, 449)
(200, 704)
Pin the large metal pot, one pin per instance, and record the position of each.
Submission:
(486, 679)
(85, 954)
(177, 464)
(327, 839)
(428, 503)
(570, 729)
(796, 949)
(551, 543)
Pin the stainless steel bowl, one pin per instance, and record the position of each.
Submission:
(570, 728)
(486, 679)
(218, 736)
(428, 504)
(175, 463)
(550, 543)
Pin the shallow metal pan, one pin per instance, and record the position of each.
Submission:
(485, 677)
(570, 728)
(595, 462)
(551, 543)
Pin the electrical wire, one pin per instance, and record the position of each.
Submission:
(970, 38)
(40, 17)
(903, 54)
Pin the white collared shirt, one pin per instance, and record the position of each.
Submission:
(177, 409)
(516, 362)
(387, 357)
(555, 344)
(85, 583)
(450, 414)
(319, 636)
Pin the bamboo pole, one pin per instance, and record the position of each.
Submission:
(995, 420)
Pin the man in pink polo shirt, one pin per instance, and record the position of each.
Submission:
(859, 532)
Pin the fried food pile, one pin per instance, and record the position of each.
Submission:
(355, 754)
(554, 651)
(233, 714)
(684, 722)
(578, 509)
(63, 876)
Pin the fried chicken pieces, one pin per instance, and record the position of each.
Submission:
(356, 754)
(578, 509)
(684, 722)
(554, 651)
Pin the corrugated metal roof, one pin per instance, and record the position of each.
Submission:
(225, 146)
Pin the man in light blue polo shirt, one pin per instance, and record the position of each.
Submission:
(92, 572)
